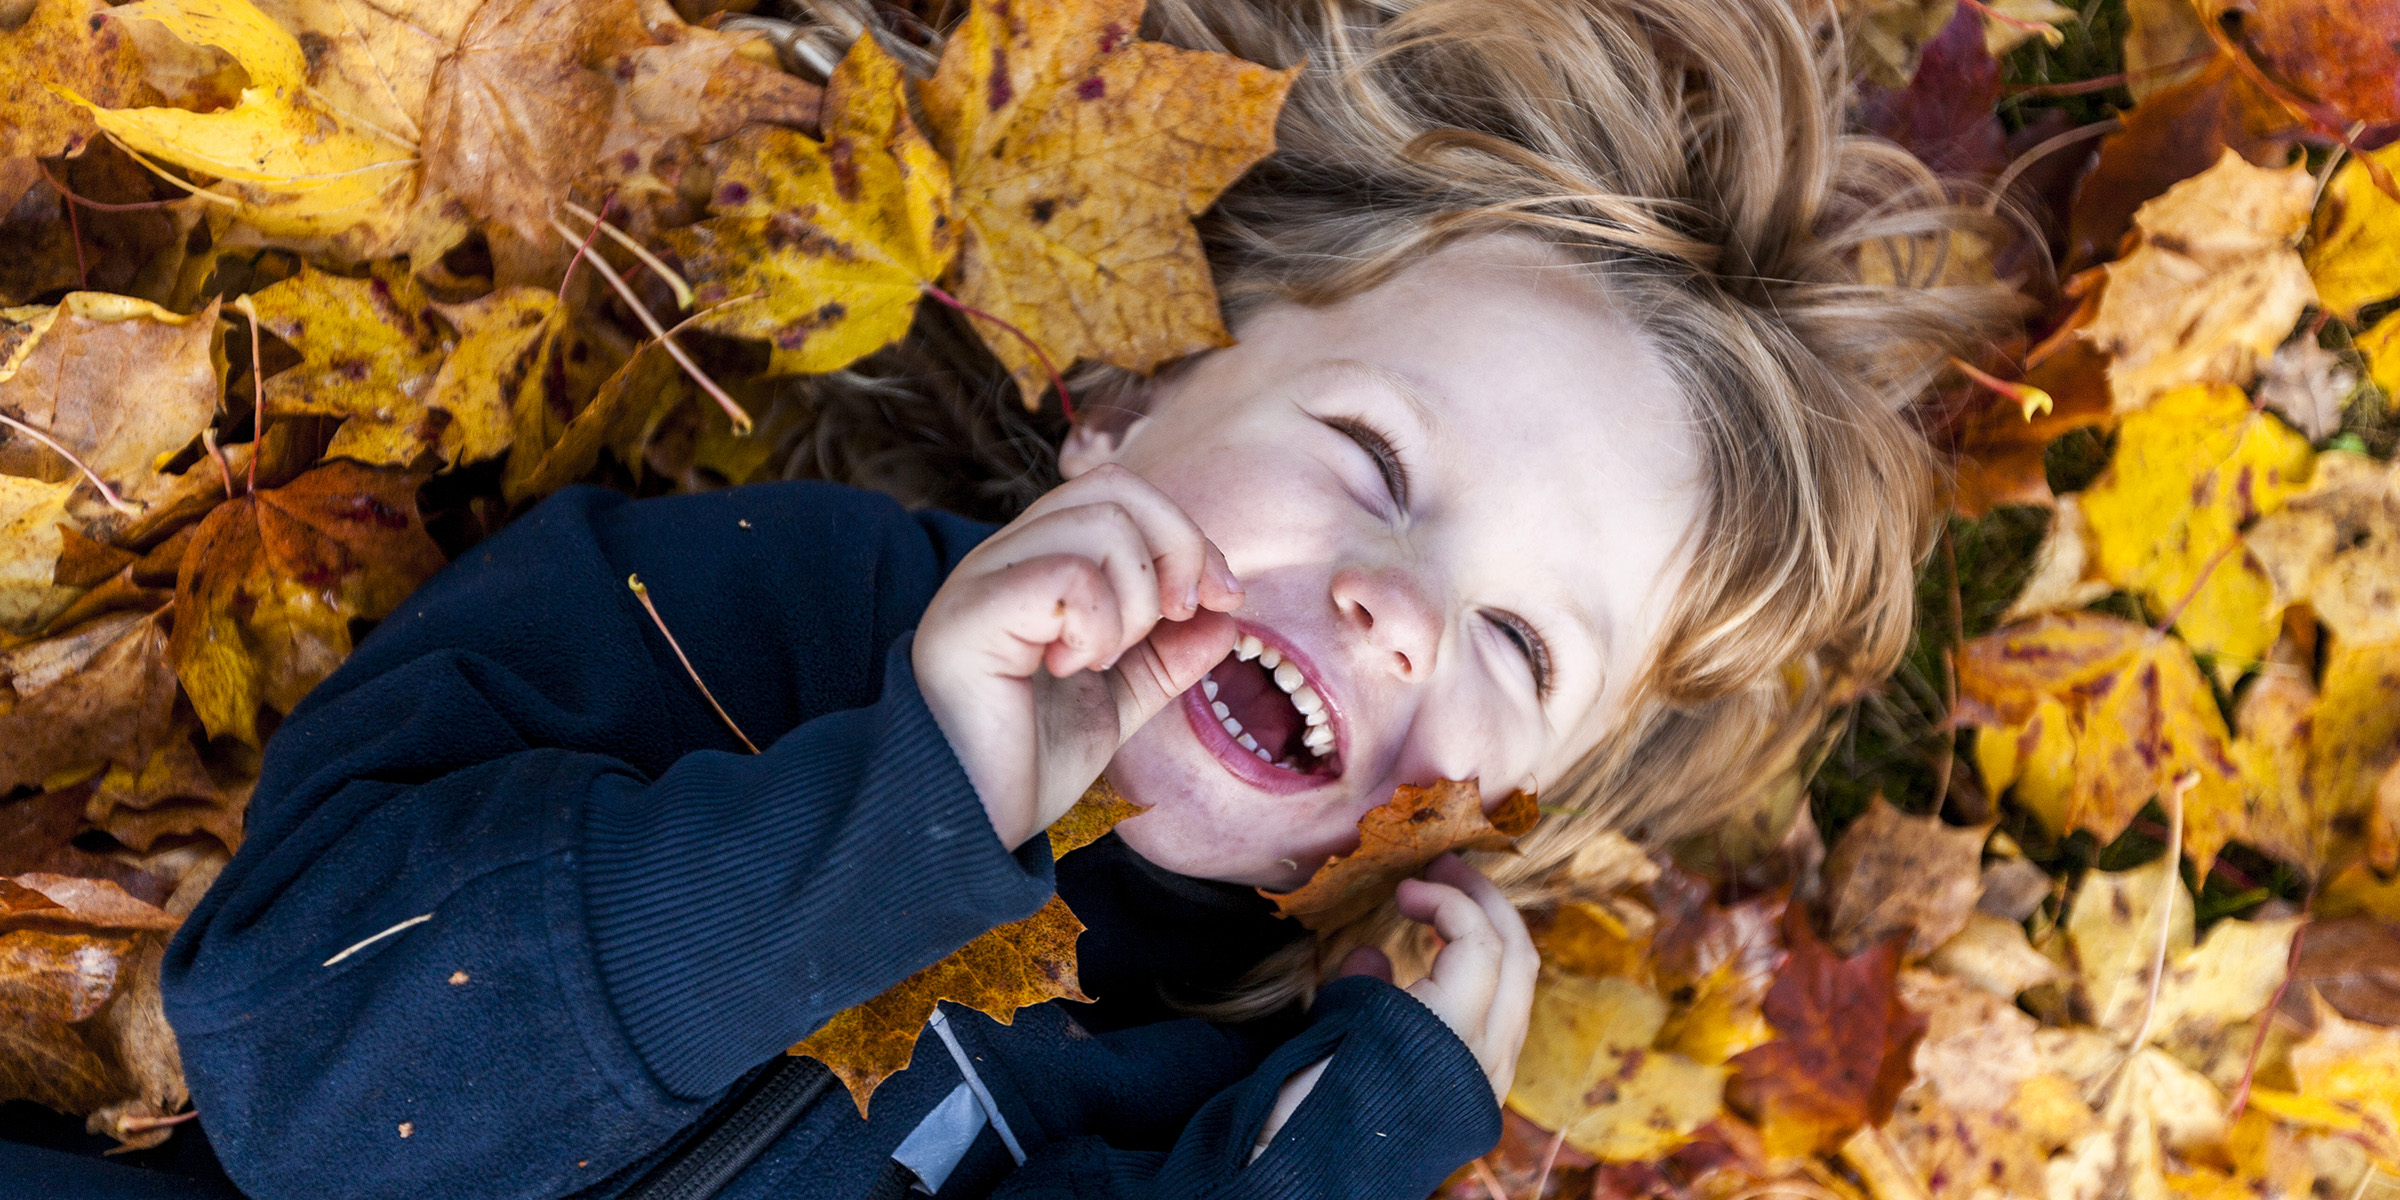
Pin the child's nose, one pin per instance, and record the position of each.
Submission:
(1391, 610)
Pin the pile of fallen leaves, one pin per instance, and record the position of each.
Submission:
(300, 298)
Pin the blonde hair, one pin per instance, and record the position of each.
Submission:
(1692, 153)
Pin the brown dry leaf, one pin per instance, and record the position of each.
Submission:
(1992, 953)
(78, 978)
(37, 834)
(1081, 153)
(2336, 548)
(2000, 451)
(271, 582)
(1885, 38)
(1590, 1070)
(171, 794)
(2307, 384)
(2337, 52)
(2160, 35)
(121, 382)
(518, 109)
(1006, 968)
(2141, 716)
(1895, 873)
(2353, 963)
(1843, 1048)
(1978, 1049)
(1396, 839)
(620, 417)
(65, 42)
(692, 85)
(1718, 961)
(2174, 134)
(2214, 285)
(1988, 1154)
(832, 243)
(95, 695)
(2354, 249)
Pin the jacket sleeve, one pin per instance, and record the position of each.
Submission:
(1401, 1105)
(497, 928)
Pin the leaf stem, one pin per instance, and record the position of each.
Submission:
(216, 454)
(1066, 403)
(2183, 785)
(2266, 1019)
(144, 1124)
(742, 424)
(2031, 398)
(107, 494)
(258, 386)
(568, 276)
(94, 205)
(642, 593)
(665, 273)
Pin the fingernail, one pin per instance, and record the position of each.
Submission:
(1226, 580)
(1108, 665)
(1191, 599)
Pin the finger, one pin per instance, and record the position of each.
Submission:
(1056, 611)
(1520, 964)
(1106, 534)
(1219, 589)
(1468, 966)
(1177, 550)
(1162, 667)
(1367, 960)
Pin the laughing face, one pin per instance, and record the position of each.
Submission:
(1458, 503)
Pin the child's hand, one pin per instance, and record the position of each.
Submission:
(1065, 632)
(1481, 984)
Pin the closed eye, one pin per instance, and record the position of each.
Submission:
(1378, 447)
(1529, 643)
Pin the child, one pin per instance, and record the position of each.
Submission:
(1562, 447)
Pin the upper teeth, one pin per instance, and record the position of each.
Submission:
(1287, 677)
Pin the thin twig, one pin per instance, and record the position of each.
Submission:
(642, 594)
(568, 276)
(94, 205)
(419, 919)
(1541, 1182)
(1066, 403)
(742, 423)
(2266, 1021)
(2044, 149)
(1491, 1182)
(216, 454)
(2184, 783)
(658, 267)
(2175, 614)
(258, 387)
(144, 1124)
(108, 495)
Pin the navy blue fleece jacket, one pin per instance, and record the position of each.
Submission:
(619, 914)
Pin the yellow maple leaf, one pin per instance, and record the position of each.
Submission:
(1081, 153)
(321, 169)
(369, 350)
(2182, 999)
(835, 241)
(1589, 1070)
(2141, 713)
(120, 382)
(2214, 285)
(68, 44)
(2380, 343)
(2354, 249)
(2348, 1074)
(2189, 472)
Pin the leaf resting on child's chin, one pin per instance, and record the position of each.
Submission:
(1396, 841)
(1007, 968)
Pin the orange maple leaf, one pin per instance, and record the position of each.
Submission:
(1395, 841)
(1843, 1048)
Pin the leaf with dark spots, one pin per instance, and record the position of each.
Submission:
(1842, 1050)
(271, 583)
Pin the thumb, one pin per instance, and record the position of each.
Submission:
(1165, 665)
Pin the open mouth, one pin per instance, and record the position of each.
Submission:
(1268, 709)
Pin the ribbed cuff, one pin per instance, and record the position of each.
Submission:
(739, 902)
(1402, 1104)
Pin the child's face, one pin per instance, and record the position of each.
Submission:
(1550, 477)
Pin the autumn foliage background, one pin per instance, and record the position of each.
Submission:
(2097, 897)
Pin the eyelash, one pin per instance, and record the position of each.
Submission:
(1529, 642)
(1378, 446)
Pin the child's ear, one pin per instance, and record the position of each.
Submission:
(1097, 436)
